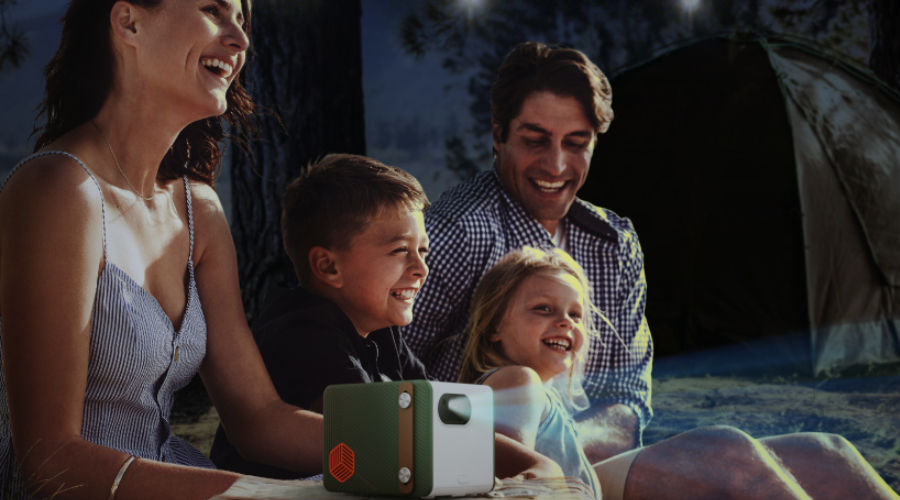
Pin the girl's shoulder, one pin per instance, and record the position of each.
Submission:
(520, 386)
(512, 376)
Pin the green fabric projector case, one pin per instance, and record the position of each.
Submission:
(413, 438)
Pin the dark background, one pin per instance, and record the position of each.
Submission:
(407, 83)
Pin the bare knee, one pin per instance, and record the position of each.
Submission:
(717, 446)
(722, 433)
(812, 444)
(712, 462)
(722, 441)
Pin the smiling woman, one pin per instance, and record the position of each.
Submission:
(95, 343)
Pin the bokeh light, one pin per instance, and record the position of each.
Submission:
(690, 5)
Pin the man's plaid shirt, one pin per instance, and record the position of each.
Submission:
(475, 224)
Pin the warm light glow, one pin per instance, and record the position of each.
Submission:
(690, 5)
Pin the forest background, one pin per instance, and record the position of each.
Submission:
(407, 82)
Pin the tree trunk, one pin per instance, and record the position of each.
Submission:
(305, 75)
(884, 40)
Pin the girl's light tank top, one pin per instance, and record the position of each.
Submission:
(138, 359)
(557, 438)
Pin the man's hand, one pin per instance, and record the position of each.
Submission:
(608, 431)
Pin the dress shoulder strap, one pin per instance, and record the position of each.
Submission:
(30, 157)
(484, 376)
(190, 216)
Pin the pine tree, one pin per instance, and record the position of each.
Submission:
(13, 46)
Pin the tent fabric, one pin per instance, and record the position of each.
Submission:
(763, 179)
(858, 129)
(847, 151)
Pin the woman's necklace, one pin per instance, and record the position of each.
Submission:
(119, 167)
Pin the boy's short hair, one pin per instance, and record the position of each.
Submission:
(334, 199)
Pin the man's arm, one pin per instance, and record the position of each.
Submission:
(608, 431)
(618, 384)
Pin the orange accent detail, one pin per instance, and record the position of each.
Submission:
(341, 462)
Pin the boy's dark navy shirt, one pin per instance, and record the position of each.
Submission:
(307, 344)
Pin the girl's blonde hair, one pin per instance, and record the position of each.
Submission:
(491, 300)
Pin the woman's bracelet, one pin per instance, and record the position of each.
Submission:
(118, 479)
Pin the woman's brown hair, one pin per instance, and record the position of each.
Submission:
(80, 77)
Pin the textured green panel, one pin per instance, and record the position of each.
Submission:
(424, 449)
(365, 418)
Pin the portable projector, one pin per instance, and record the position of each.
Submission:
(413, 438)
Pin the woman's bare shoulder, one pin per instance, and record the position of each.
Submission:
(53, 182)
(212, 235)
(50, 208)
(205, 202)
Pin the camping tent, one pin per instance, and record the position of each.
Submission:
(763, 177)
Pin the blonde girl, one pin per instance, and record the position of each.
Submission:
(526, 339)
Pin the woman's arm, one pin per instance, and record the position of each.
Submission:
(50, 256)
(259, 424)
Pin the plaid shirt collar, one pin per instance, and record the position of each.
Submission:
(581, 214)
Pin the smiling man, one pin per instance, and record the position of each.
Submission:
(547, 107)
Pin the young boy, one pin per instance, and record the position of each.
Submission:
(355, 233)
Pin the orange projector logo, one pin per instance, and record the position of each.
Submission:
(341, 462)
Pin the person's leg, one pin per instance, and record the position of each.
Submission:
(613, 472)
(828, 466)
(711, 462)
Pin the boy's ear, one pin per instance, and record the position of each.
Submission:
(123, 19)
(325, 267)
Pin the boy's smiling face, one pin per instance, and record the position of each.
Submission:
(382, 269)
